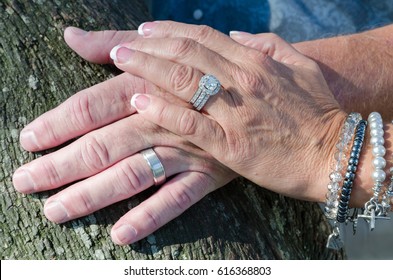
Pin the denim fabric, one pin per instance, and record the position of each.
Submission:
(294, 20)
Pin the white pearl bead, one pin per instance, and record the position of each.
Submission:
(377, 140)
(376, 132)
(374, 115)
(372, 119)
(379, 151)
(379, 162)
(379, 176)
(376, 125)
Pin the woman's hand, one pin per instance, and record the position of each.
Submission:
(275, 121)
(105, 160)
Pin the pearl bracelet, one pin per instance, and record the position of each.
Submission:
(378, 150)
(374, 209)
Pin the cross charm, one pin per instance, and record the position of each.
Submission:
(370, 218)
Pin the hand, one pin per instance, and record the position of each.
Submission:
(106, 158)
(275, 122)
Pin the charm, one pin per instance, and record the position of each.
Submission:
(335, 241)
(371, 215)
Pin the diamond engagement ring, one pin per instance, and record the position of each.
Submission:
(155, 165)
(208, 86)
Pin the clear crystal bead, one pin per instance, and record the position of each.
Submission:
(333, 187)
(335, 176)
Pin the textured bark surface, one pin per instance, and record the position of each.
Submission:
(38, 71)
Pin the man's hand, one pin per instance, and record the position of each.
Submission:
(105, 160)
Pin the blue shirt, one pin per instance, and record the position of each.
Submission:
(294, 20)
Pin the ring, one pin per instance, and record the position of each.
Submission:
(155, 166)
(208, 86)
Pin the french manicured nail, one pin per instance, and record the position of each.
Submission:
(121, 54)
(238, 34)
(78, 31)
(28, 139)
(146, 28)
(125, 234)
(140, 101)
(23, 182)
(56, 212)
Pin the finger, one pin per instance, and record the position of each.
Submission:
(202, 34)
(272, 45)
(177, 66)
(95, 46)
(179, 79)
(167, 203)
(85, 157)
(83, 112)
(193, 126)
(121, 181)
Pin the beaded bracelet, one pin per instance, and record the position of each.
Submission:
(354, 120)
(373, 209)
(342, 213)
(335, 176)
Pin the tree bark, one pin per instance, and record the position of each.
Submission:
(38, 72)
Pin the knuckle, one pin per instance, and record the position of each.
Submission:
(187, 123)
(183, 47)
(85, 202)
(181, 77)
(313, 65)
(80, 111)
(257, 56)
(273, 37)
(95, 154)
(152, 219)
(249, 81)
(204, 33)
(47, 125)
(129, 180)
(182, 199)
(51, 172)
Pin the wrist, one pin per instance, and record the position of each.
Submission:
(327, 158)
(362, 189)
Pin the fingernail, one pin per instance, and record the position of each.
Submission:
(78, 31)
(55, 212)
(146, 28)
(23, 182)
(235, 33)
(125, 234)
(28, 139)
(140, 101)
(121, 54)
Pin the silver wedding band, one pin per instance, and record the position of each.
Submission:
(155, 166)
(208, 86)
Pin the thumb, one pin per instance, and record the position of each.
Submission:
(95, 46)
(187, 123)
(271, 45)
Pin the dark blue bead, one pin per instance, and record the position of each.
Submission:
(351, 168)
(353, 161)
(349, 176)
